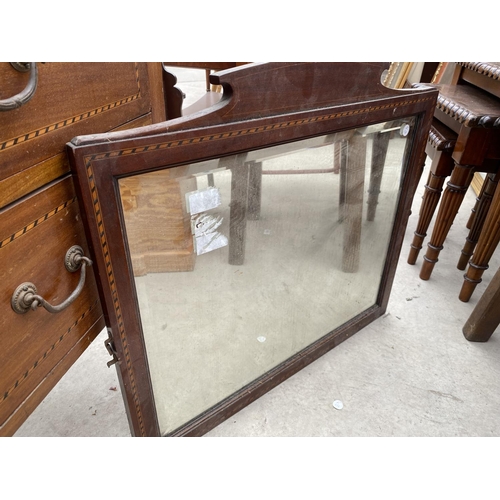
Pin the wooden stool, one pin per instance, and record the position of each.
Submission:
(475, 116)
(440, 145)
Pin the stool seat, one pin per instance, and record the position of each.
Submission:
(469, 106)
(489, 69)
(441, 138)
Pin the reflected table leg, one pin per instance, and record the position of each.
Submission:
(379, 153)
(353, 207)
(342, 147)
(238, 214)
(254, 190)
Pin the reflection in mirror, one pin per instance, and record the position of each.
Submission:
(243, 261)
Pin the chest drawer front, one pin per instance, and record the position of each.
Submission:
(34, 237)
(71, 99)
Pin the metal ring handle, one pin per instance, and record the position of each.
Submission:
(25, 95)
(25, 297)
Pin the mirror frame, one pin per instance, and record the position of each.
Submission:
(263, 104)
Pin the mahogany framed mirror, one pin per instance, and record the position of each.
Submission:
(235, 246)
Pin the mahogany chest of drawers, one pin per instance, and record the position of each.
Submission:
(40, 215)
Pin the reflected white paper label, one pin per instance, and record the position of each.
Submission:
(201, 201)
(206, 236)
(209, 242)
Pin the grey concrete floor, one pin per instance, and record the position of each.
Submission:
(409, 373)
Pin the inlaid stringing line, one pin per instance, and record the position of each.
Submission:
(242, 132)
(74, 119)
(40, 360)
(114, 293)
(35, 223)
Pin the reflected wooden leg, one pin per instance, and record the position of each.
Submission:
(486, 245)
(453, 196)
(343, 147)
(485, 317)
(482, 206)
(379, 153)
(353, 210)
(337, 146)
(238, 214)
(254, 190)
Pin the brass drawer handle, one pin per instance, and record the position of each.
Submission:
(25, 95)
(26, 298)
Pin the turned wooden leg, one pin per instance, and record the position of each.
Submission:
(474, 208)
(441, 168)
(353, 210)
(379, 153)
(238, 214)
(254, 190)
(430, 199)
(486, 245)
(485, 317)
(482, 206)
(453, 196)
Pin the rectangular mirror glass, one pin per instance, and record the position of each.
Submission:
(243, 261)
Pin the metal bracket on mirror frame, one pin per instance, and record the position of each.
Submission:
(110, 347)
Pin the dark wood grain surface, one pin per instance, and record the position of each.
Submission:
(71, 99)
